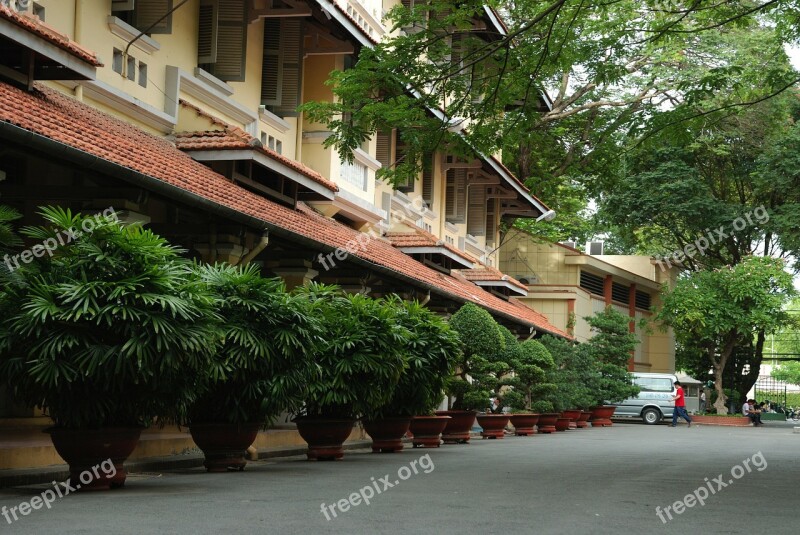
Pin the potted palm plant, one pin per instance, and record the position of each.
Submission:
(476, 374)
(260, 369)
(529, 386)
(360, 354)
(431, 349)
(109, 334)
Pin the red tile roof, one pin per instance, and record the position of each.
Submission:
(232, 137)
(48, 33)
(487, 273)
(421, 238)
(48, 113)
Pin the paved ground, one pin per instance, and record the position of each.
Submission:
(607, 480)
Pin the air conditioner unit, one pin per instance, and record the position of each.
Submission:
(594, 247)
(572, 244)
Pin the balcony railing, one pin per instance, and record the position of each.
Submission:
(368, 19)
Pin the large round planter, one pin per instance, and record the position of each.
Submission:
(224, 444)
(493, 425)
(427, 430)
(547, 422)
(524, 424)
(562, 424)
(459, 427)
(88, 452)
(324, 436)
(387, 433)
(601, 416)
(583, 421)
(573, 415)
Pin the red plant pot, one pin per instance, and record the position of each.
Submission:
(324, 436)
(224, 444)
(562, 424)
(427, 430)
(459, 427)
(601, 416)
(547, 422)
(583, 421)
(88, 451)
(524, 424)
(387, 433)
(493, 425)
(573, 415)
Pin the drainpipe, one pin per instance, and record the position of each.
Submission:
(260, 246)
(427, 298)
(533, 333)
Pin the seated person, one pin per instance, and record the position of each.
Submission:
(751, 410)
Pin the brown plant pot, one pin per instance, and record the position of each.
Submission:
(87, 451)
(583, 421)
(459, 427)
(562, 424)
(573, 415)
(547, 422)
(524, 424)
(493, 425)
(324, 436)
(601, 416)
(387, 433)
(426, 431)
(224, 444)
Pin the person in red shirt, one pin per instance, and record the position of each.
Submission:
(680, 406)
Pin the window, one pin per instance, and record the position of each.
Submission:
(383, 144)
(476, 215)
(653, 384)
(145, 15)
(143, 74)
(117, 61)
(131, 70)
(282, 69)
(272, 142)
(642, 300)
(593, 283)
(354, 173)
(38, 10)
(222, 39)
(620, 293)
(427, 179)
(456, 195)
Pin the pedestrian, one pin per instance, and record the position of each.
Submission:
(752, 411)
(702, 401)
(680, 406)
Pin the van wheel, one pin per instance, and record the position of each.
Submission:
(651, 416)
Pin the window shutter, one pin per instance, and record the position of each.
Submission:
(450, 195)
(231, 41)
(459, 194)
(476, 224)
(382, 148)
(282, 74)
(427, 179)
(122, 5)
(147, 12)
(399, 158)
(207, 35)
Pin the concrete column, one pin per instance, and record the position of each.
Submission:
(294, 272)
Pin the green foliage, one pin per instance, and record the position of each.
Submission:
(477, 375)
(360, 352)
(610, 348)
(788, 372)
(575, 374)
(431, 350)
(532, 365)
(262, 366)
(9, 240)
(114, 330)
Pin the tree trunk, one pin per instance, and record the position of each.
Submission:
(719, 404)
(719, 368)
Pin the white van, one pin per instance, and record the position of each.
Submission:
(654, 401)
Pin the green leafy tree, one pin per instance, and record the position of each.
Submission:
(716, 311)
(788, 372)
(575, 374)
(476, 375)
(530, 389)
(113, 330)
(262, 367)
(611, 348)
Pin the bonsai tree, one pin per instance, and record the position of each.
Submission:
(359, 350)
(261, 367)
(574, 375)
(530, 387)
(476, 373)
(611, 348)
(431, 348)
(113, 330)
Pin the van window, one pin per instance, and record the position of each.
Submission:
(654, 384)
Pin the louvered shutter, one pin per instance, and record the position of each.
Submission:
(122, 5)
(450, 195)
(383, 142)
(476, 216)
(282, 73)
(400, 158)
(207, 34)
(231, 41)
(271, 66)
(427, 179)
(147, 12)
(460, 194)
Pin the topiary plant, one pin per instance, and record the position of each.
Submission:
(476, 374)
(575, 374)
(611, 349)
(531, 364)
(113, 330)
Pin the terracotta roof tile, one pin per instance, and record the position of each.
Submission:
(421, 238)
(48, 113)
(48, 33)
(487, 273)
